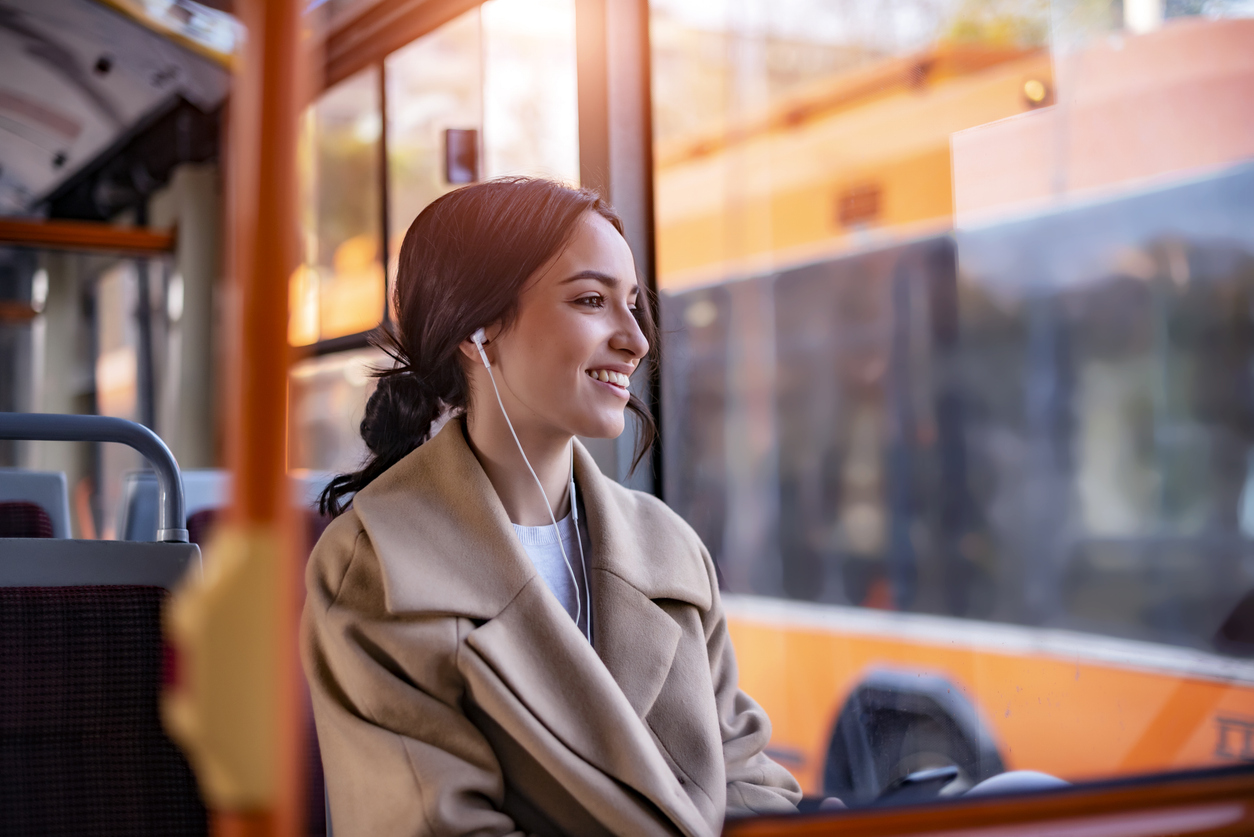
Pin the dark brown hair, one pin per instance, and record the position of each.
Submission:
(463, 265)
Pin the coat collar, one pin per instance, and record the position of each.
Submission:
(446, 545)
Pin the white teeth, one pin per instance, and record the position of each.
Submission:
(610, 377)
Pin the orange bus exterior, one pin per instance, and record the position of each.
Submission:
(1074, 705)
(1079, 706)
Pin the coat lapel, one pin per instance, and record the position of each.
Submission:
(444, 541)
(551, 675)
(631, 572)
(445, 545)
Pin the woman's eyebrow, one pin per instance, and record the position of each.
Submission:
(605, 279)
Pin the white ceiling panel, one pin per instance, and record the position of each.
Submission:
(75, 76)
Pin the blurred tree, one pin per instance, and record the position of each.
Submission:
(1019, 23)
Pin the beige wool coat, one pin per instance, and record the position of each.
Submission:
(454, 695)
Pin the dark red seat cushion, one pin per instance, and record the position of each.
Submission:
(82, 749)
(21, 519)
(200, 524)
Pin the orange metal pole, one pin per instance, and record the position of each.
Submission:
(263, 194)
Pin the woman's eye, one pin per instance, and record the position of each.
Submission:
(594, 301)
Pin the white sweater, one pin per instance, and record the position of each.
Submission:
(540, 542)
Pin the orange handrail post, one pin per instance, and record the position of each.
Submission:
(263, 239)
(239, 706)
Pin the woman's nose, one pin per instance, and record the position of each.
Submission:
(629, 337)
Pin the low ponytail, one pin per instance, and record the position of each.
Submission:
(398, 417)
(463, 265)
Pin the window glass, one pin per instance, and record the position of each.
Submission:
(505, 70)
(339, 287)
(958, 317)
(328, 400)
(433, 85)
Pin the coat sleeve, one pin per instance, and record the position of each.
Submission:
(755, 783)
(399, 756)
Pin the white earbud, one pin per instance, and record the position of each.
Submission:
(479, 338)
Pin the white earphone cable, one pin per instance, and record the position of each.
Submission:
(547, 505)
(583, 561)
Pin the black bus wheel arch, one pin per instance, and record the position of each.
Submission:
(895, 722)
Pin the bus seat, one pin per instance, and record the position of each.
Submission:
(203, 488)
(46, 489)
(56, 562)
(206, 492)
(82, 749)
(199, 525)
(21, 519)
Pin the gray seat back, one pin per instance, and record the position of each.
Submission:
(30, 562)
(46, 489)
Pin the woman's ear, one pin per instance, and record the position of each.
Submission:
(468, 349)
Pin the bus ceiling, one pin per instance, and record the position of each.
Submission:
(107, 102)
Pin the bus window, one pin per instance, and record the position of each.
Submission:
(339, 288)
(328, 400)
(530, 110)
(502, 78)
(505, 71)
(958, 324)
(433, 85)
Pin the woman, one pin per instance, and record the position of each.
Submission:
(483, 662)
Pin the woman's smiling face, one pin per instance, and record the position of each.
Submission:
(563, 364)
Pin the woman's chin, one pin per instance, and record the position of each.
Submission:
(603, 427)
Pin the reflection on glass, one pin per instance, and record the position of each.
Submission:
(505, 69)
(786, 130)
(339, 288)
(328, 399)
(1130, 107)
(978, 498)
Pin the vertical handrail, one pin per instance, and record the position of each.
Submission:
(57, 427)
(269, 91)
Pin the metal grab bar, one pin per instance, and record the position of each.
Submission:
(57, 427)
